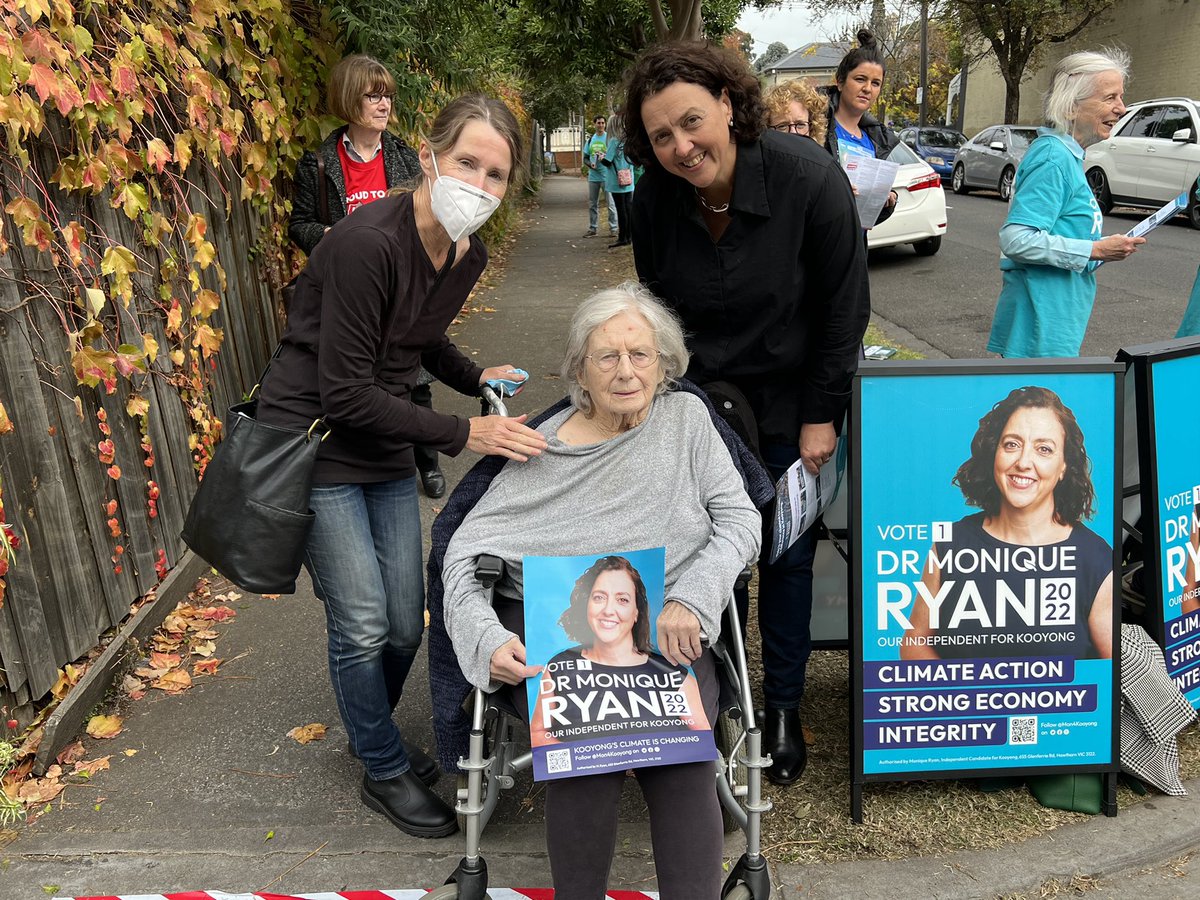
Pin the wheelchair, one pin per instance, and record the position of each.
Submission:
(493, 763)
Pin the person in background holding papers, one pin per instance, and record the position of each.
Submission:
(595, 148)
(753, 238)
(1051, 242)
(1191, 316)
(852, 130)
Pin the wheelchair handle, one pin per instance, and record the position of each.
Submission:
(490, 402)
(489, 570)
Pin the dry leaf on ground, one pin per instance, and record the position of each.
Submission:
(207, 667)
(104, 726)
(173, 682)
(303, 734)
(72, 753)
(39, 790)
(164, 660)
(204, 648)
(90, 767)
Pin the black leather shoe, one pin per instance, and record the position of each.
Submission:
(423, 765)
(783, 738)
(409, 805)
(433, 483)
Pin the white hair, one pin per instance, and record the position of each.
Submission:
(1074, 80)
(599, 308)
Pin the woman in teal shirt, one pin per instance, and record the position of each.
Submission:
(1052, 242)
(617, 185)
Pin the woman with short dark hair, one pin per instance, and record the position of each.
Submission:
(752, 237)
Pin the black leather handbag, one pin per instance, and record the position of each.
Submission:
(250, 518)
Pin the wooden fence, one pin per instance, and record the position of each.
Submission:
(68, 584)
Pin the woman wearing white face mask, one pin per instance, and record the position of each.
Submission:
(373, 306)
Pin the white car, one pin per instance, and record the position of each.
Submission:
(1152, 156)
(920, 214)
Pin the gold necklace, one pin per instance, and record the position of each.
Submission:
(712, 209)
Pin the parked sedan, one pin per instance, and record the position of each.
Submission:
(935, 145)
(990, 159)
(920, 214)
(1152, 156)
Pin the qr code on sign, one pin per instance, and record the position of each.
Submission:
(1023, 730)
(558, 761)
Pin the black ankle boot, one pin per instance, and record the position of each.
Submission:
(783, 739)
(409, 805)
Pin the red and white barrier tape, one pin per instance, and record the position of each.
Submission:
(494, 893)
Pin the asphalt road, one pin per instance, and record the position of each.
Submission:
(947, 300)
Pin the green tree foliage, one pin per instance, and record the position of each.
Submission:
(775, 51)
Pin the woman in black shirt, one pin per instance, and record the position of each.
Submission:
(753, 238)
(370, 309)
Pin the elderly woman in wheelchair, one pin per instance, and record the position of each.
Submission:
(630, 463)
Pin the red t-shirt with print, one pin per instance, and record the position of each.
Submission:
(364, 181)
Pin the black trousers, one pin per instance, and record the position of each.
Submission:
(624, 201)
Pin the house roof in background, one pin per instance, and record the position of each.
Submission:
(818, 55)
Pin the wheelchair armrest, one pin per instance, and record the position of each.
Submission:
(744, 579)
(489, 570)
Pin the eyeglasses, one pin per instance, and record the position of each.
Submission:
(792, 127)
(378, 98)
(609, 359)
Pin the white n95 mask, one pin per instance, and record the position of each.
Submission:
(459, 207)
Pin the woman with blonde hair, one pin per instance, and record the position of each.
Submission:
(797, 107)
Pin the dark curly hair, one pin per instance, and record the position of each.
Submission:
(574, 620)
(1074, 496)
(867, 51)
(706, 65)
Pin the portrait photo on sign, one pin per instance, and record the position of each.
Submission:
(987, 588)
(605, 699)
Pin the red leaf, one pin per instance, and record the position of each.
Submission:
(43, 80)
(124, 81)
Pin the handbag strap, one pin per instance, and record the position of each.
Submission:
(324, 189)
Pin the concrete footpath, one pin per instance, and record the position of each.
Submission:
(217, 797)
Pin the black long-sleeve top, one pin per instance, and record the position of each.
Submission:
(780, 303)
(361, 324)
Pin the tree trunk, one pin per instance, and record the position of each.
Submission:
(1012, 102)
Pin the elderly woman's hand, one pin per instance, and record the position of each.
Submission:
(679, 634)
(508, 663)
(818, 440)
(498, 436)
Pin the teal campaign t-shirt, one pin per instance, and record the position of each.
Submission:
(849, 145)
(1044, 310)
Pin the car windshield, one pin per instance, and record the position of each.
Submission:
(949, 139)
(1023, 137)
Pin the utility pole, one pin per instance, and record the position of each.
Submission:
(923, 90)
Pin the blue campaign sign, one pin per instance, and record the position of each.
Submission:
(1169, 437)
(605, 699)
(984, 509)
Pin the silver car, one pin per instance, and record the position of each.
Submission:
(990, 159)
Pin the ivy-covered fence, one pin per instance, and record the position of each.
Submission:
(141, 248)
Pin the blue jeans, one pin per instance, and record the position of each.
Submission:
(364, 557)
(594, 188)
(785, 603)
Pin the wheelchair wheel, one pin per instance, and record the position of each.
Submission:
(727, 734)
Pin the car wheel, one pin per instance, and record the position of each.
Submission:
(1193, 211)
(1099, 185)
(1006, 183)
(958, 181)
(929, 246)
